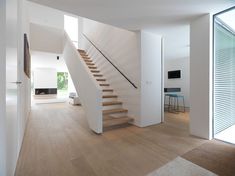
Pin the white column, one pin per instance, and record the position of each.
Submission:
(151, 79)
(201, 77)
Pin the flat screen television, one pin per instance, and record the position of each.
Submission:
(174, 74)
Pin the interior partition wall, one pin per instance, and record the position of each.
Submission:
(224, 76)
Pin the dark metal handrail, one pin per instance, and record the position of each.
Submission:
(111, 62)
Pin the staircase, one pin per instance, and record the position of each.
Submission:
(113, 114)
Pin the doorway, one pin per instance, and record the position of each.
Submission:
(224, 76)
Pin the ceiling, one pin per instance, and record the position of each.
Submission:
(169, 18)
(139, 14)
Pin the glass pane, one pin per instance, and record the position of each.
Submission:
(71, 27)
(62, 83)
(224, 79)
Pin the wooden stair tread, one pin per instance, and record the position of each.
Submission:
(100, 79)
(107, 90)
(92, 67)
(109, 96)
(95, 71)
(108, 120)
(104, 85)
(97, 75)
(87, 59)
(114, 111)
(111, 121)
(81, 51)
(110, 103)
(88, 62)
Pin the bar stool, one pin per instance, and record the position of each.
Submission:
(174, 102)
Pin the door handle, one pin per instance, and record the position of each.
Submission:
(17, 82)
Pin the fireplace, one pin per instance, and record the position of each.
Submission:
(50, 91)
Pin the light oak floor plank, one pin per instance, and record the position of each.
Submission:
(58, 142)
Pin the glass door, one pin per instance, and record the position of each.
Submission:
(224, 76)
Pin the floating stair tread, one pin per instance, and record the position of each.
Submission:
(90, 63)
(87, 60)
(100, 79)
(97, 75)
(109, 96)
(107, 90)
(110, 103)
(91, 67)
(104, 85)
(114, 111)
(95, 71)
(84, 55)
(107, 122)
(81, 51)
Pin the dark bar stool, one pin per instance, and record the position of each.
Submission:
(174, 102)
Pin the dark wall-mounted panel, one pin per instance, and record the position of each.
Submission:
(174, 74)
(45, 91)
(172, 89)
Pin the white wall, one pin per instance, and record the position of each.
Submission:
(3, 88)
(176, 40)
(123, 48)
(49, 60)
(46, 39)
(90, 93)
(201, 77)
(120, 45)
(151, 79)
(46, 16)
(12, 121)
(133, 53)
(184, 82)
(45, 78)
(24, 92)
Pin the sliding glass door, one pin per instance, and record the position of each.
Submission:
(224, 76)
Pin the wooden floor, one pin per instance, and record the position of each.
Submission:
(215, 156)
(58, 142)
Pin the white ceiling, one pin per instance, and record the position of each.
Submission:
(169, 18)
(138, 14)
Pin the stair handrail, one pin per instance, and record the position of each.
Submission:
(110, 62)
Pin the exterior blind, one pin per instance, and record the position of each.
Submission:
(224, 79)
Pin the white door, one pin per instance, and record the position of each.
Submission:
(11, 86)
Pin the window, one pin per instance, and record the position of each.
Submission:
(224, 77)
(62, 83)
(71, 27)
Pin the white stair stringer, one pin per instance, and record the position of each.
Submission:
(114, 115)
(89, 91)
